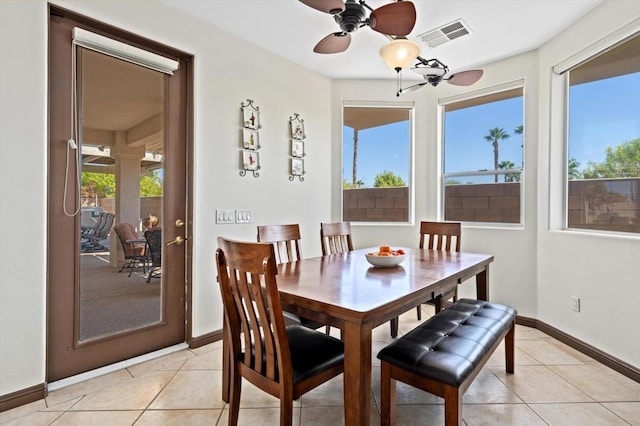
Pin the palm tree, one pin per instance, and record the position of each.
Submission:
(495, 136)
(518, 130)
(507, 165)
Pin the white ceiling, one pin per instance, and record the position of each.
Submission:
(288, 28)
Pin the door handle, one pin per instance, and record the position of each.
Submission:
(178, 240)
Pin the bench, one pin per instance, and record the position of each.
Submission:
(444, 354)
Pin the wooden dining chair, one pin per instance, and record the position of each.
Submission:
(335, 238)
(285, 240)
(284, 361)
(444, 236)
(286, 244)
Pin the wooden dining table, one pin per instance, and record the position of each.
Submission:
(347, 292)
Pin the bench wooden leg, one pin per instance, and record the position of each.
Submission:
(452, 406)
(387, 396)
(393, 324)
(509, 348)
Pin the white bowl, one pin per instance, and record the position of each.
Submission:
(385, 261)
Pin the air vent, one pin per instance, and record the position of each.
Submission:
(445, 33)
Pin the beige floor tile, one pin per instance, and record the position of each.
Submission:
(488, 389)
(569, 350)
(171, 362)
(537, 384)
(258, 417)
(411, 415)
(630, 411)
(207, 348)
(195, 390)
(84, 418)
(319, 416)
(39, 418)
(595, 384)
(547, 353)
(211, 360)
(253, 397)
(86, 387)
(329, 394)
(592, 414)
(179, 417)
(405, 394)
(621, 379)
(136, 394)
(22, 411)
(64, 406)
(529, 333)
(500, 414)
(520, 357)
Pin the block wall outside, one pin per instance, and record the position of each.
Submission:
(599, 204)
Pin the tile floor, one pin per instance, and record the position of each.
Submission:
(553, 385)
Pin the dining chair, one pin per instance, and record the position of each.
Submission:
(286, 244)
(154, 244)
(284, 361)
(335, 238)
(443, 236)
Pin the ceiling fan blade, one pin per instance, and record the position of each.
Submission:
(465, 78)
(333, 43)
(329, 6)
(395, 19)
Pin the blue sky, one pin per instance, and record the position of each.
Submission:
(603, 113)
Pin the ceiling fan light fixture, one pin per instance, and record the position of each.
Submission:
(425, 70)
(399, 53)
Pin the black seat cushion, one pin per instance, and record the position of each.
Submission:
(449, 345)
(311, 352)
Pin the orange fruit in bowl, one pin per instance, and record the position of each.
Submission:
(385, 249)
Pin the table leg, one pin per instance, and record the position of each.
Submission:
(482, 284)
(357, 374)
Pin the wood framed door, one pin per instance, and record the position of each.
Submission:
(97, 315)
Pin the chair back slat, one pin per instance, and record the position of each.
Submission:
(335, 238)
(443, 236)
(246, 274)
(285, 239)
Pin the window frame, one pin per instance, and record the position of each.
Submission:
(518, 84)
(560, 91)
(411, 107)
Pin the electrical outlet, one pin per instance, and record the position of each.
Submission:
(225, 216)
(244, 216)
(575, 303)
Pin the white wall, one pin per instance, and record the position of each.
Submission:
(228, 71)
(600, 269)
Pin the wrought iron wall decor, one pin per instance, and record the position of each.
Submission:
(298, 151)
(250, 157)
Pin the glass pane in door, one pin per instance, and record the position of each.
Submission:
(121, 143)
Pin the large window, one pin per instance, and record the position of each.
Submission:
(483, 157)
(603, 168)
(376, 169)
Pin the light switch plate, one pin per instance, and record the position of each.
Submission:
(244, 216)
(225, 216)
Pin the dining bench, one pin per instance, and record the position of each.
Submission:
(444, 354)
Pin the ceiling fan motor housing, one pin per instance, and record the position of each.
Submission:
(353, 16)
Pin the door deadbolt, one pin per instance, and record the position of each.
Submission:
(179, 223)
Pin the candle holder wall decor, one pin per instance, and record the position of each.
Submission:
(298, 151)
(249, 156)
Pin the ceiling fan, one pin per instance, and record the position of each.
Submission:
(393, 19)
(435, 72)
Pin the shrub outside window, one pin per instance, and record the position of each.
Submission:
(603, 166)
(483, 165)
(376, 163)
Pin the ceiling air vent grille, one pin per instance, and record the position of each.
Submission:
(445, 33)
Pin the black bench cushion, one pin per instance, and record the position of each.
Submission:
(449, 345)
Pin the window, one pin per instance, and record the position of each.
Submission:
(483, 142)
(376, 179)
(603, 167)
